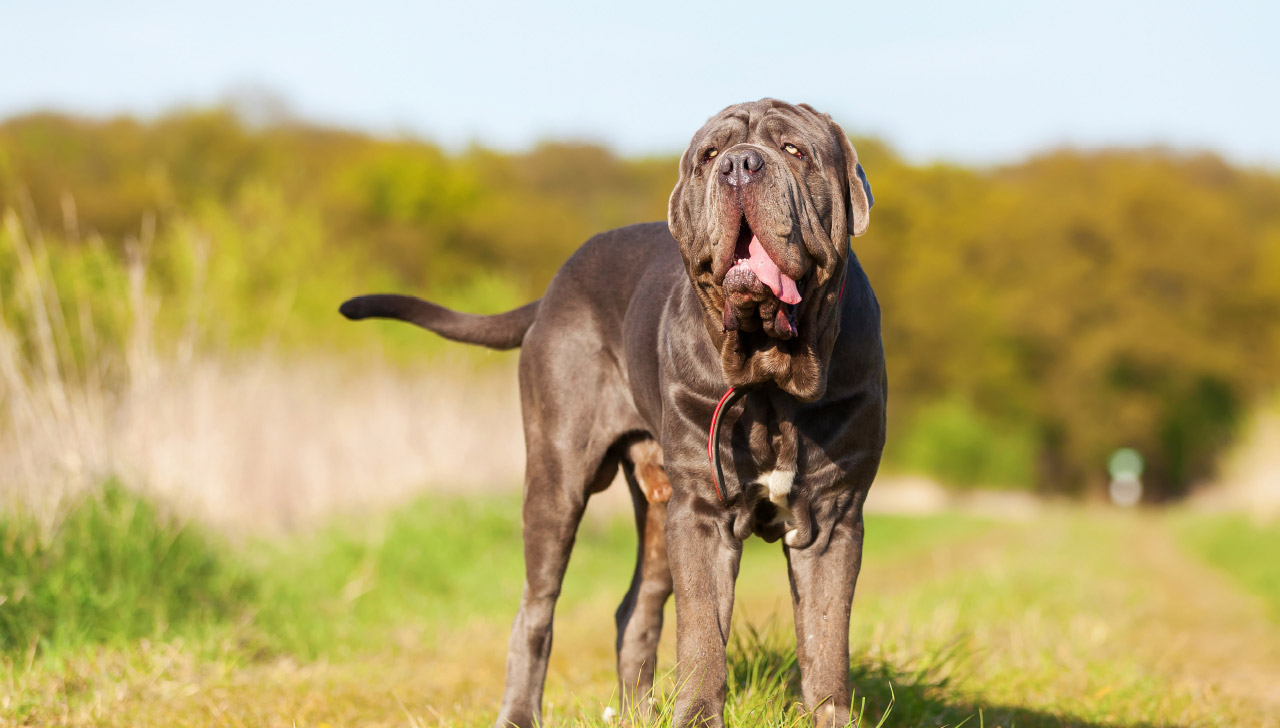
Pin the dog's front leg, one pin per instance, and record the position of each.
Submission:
(704, 565)
(823, 576)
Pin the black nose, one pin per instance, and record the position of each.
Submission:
(740, 167)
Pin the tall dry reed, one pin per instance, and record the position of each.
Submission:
(250, 440)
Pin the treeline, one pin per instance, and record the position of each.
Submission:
(1036, 316)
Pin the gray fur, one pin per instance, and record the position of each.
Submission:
(625, 357)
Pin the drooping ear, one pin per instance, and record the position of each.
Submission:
(679, 209)
(860, 198)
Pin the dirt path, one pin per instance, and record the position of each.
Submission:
(1205, 630)
(1101, 619)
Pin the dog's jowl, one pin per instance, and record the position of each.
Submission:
(750, 287)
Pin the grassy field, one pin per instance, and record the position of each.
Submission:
(1244, 548)
(1078, 618)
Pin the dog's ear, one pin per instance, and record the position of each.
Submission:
(860, 198)
(679, 208)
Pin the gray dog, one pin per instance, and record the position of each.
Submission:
(643, 343)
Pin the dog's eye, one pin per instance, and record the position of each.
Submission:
(710, 153)
(793, 150)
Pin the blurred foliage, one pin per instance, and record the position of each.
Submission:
(1036, 316)
(955, 442)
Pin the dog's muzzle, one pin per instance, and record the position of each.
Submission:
(757, 294)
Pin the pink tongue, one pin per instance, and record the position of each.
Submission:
(767, 271)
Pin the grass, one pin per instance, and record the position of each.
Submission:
(118, 569)
(118, 580)
(1080, 618)
(1247, 550)
(115, 570)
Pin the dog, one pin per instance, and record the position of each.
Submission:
(750, 287)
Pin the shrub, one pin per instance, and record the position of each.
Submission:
(957, 444)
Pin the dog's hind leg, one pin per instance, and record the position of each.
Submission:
(571, 454)
(551, 517)
(576, 408)
(639, 617)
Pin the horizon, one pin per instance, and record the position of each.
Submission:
(414, 136)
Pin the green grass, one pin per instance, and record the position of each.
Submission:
(1076, 619)
(441, 562)
(115, 569)
(1247, 550)
(334, 590)
(118, 570)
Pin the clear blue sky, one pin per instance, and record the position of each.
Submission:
(977, 81)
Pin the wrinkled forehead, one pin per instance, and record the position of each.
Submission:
(764, 121)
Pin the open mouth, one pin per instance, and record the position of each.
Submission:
(757, 293)
(749, 256)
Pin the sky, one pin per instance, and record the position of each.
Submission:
(978, 82)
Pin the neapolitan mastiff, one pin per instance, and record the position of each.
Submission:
(626, 361)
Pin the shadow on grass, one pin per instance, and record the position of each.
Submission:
(763, 672)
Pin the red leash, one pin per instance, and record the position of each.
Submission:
(727, 400)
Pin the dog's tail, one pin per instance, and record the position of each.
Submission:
(500, 331)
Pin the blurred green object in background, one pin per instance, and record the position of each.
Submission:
(1125, 462)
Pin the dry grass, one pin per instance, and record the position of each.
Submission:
(250, 441)
(261, 443)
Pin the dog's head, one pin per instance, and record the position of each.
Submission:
(768, 196)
